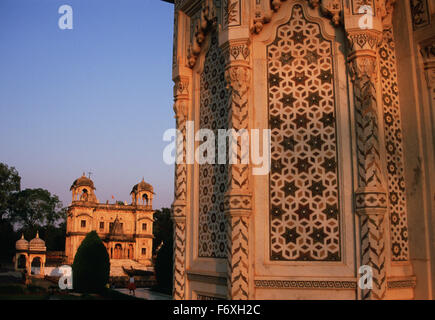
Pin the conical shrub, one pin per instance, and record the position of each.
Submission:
(91, 267)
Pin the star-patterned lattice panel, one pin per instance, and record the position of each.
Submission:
(304, 196)
(394, 148)
(213, 178)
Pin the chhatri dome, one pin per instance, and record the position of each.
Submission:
(37, 244)
(142, 193)
(142, 186)
(83, 181)
(83, 189)
(22, 244)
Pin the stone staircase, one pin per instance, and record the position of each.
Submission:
(117, 264)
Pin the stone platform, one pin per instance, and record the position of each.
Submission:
(116, 267)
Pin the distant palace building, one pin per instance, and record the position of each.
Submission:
(126, 230)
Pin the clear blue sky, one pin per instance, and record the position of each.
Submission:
(96, 98)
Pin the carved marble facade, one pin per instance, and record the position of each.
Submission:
(346, 88)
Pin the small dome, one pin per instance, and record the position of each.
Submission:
(83, 181)
(22, 244)
(142, 186)
(37, 244)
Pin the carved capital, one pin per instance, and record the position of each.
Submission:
(181, 87)
(236, 52)
(362, 56)
(181, 97)
(364, 66)
(238, 79)
(367, 40)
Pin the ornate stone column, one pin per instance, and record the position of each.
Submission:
(370, 195)
(181, 95)
(238, 202)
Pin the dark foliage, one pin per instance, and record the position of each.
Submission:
(162, 227)
(33, 208)
(91, 265)
(163, 247)
(28, 210)
(9, 184)
(7, 240)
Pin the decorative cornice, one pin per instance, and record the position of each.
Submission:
(306, 284)
(264, 13)
(207, 278)
(111, 207)
(402, 283)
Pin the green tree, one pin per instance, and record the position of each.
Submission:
(34, 208)
(10, 182)
(91, 267)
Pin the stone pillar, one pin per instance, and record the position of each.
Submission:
(238, 199)
(370, 195)
(181, 94)
(29, 265)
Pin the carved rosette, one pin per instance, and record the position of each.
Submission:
(238, 198)
(181, 97)
(370, 196)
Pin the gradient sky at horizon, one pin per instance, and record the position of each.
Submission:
(96, 98)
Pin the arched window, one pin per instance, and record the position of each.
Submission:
(85, 195)
(36, 266)
(145, 199)
(118, 251)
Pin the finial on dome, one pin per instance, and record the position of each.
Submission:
(37, 234)
(22, 235)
